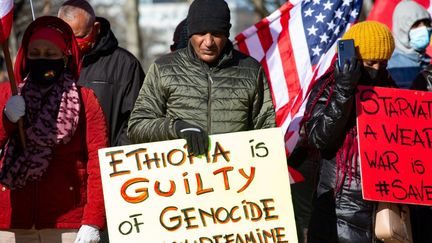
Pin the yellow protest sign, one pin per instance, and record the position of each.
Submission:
(239, 192)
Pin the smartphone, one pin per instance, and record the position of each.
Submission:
(346, 51)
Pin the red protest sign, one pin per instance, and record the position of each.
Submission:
(395, 144)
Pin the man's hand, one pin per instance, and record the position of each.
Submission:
(196, 138)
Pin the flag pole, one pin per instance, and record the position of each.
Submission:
(13, 86)
(32, 9)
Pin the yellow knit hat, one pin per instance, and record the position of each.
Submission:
(373, 40)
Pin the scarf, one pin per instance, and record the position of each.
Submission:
(50, 120)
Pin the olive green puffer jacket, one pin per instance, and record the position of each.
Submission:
(229, 97)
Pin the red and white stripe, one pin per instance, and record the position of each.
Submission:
(279, 43)
(6, 19)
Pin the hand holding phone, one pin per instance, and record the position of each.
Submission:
(346, 51)
(348, 72)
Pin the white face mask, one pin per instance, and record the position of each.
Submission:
(419, 38)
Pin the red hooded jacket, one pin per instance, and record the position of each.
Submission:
(69, 193)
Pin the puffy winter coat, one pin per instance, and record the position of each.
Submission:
(232, 96)
(341, 216)
(70, 191)
(116, 77)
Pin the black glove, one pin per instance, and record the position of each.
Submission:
(196, 138)
(348, 78)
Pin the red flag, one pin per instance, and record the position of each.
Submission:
(296, 45)
(382, 10)
(6, 19)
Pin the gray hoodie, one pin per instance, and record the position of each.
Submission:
(405, 15)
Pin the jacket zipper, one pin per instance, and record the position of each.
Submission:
(210, 82)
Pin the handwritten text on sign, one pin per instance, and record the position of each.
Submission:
(239, 192)
(395, 137)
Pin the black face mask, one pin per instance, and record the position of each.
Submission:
(45, 72)
(374, 77)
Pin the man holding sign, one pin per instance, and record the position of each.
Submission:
(206, 88)
(340, 213)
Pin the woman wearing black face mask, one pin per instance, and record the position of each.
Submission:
(53, 185)
(340, 214)
(375, 73)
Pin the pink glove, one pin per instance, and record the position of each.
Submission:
(88, 234)
(15, 108)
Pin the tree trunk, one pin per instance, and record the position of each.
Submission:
(260, 8)
(133, 36)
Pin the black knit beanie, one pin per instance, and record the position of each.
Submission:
(180, 37)
(209, 16)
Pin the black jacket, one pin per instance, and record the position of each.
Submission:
(343, 216)
(116, 77)
(423, 81)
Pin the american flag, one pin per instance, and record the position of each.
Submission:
(6, 19)
(296, 45)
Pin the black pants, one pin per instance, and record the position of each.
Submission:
(322, 225)
(302, 196)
